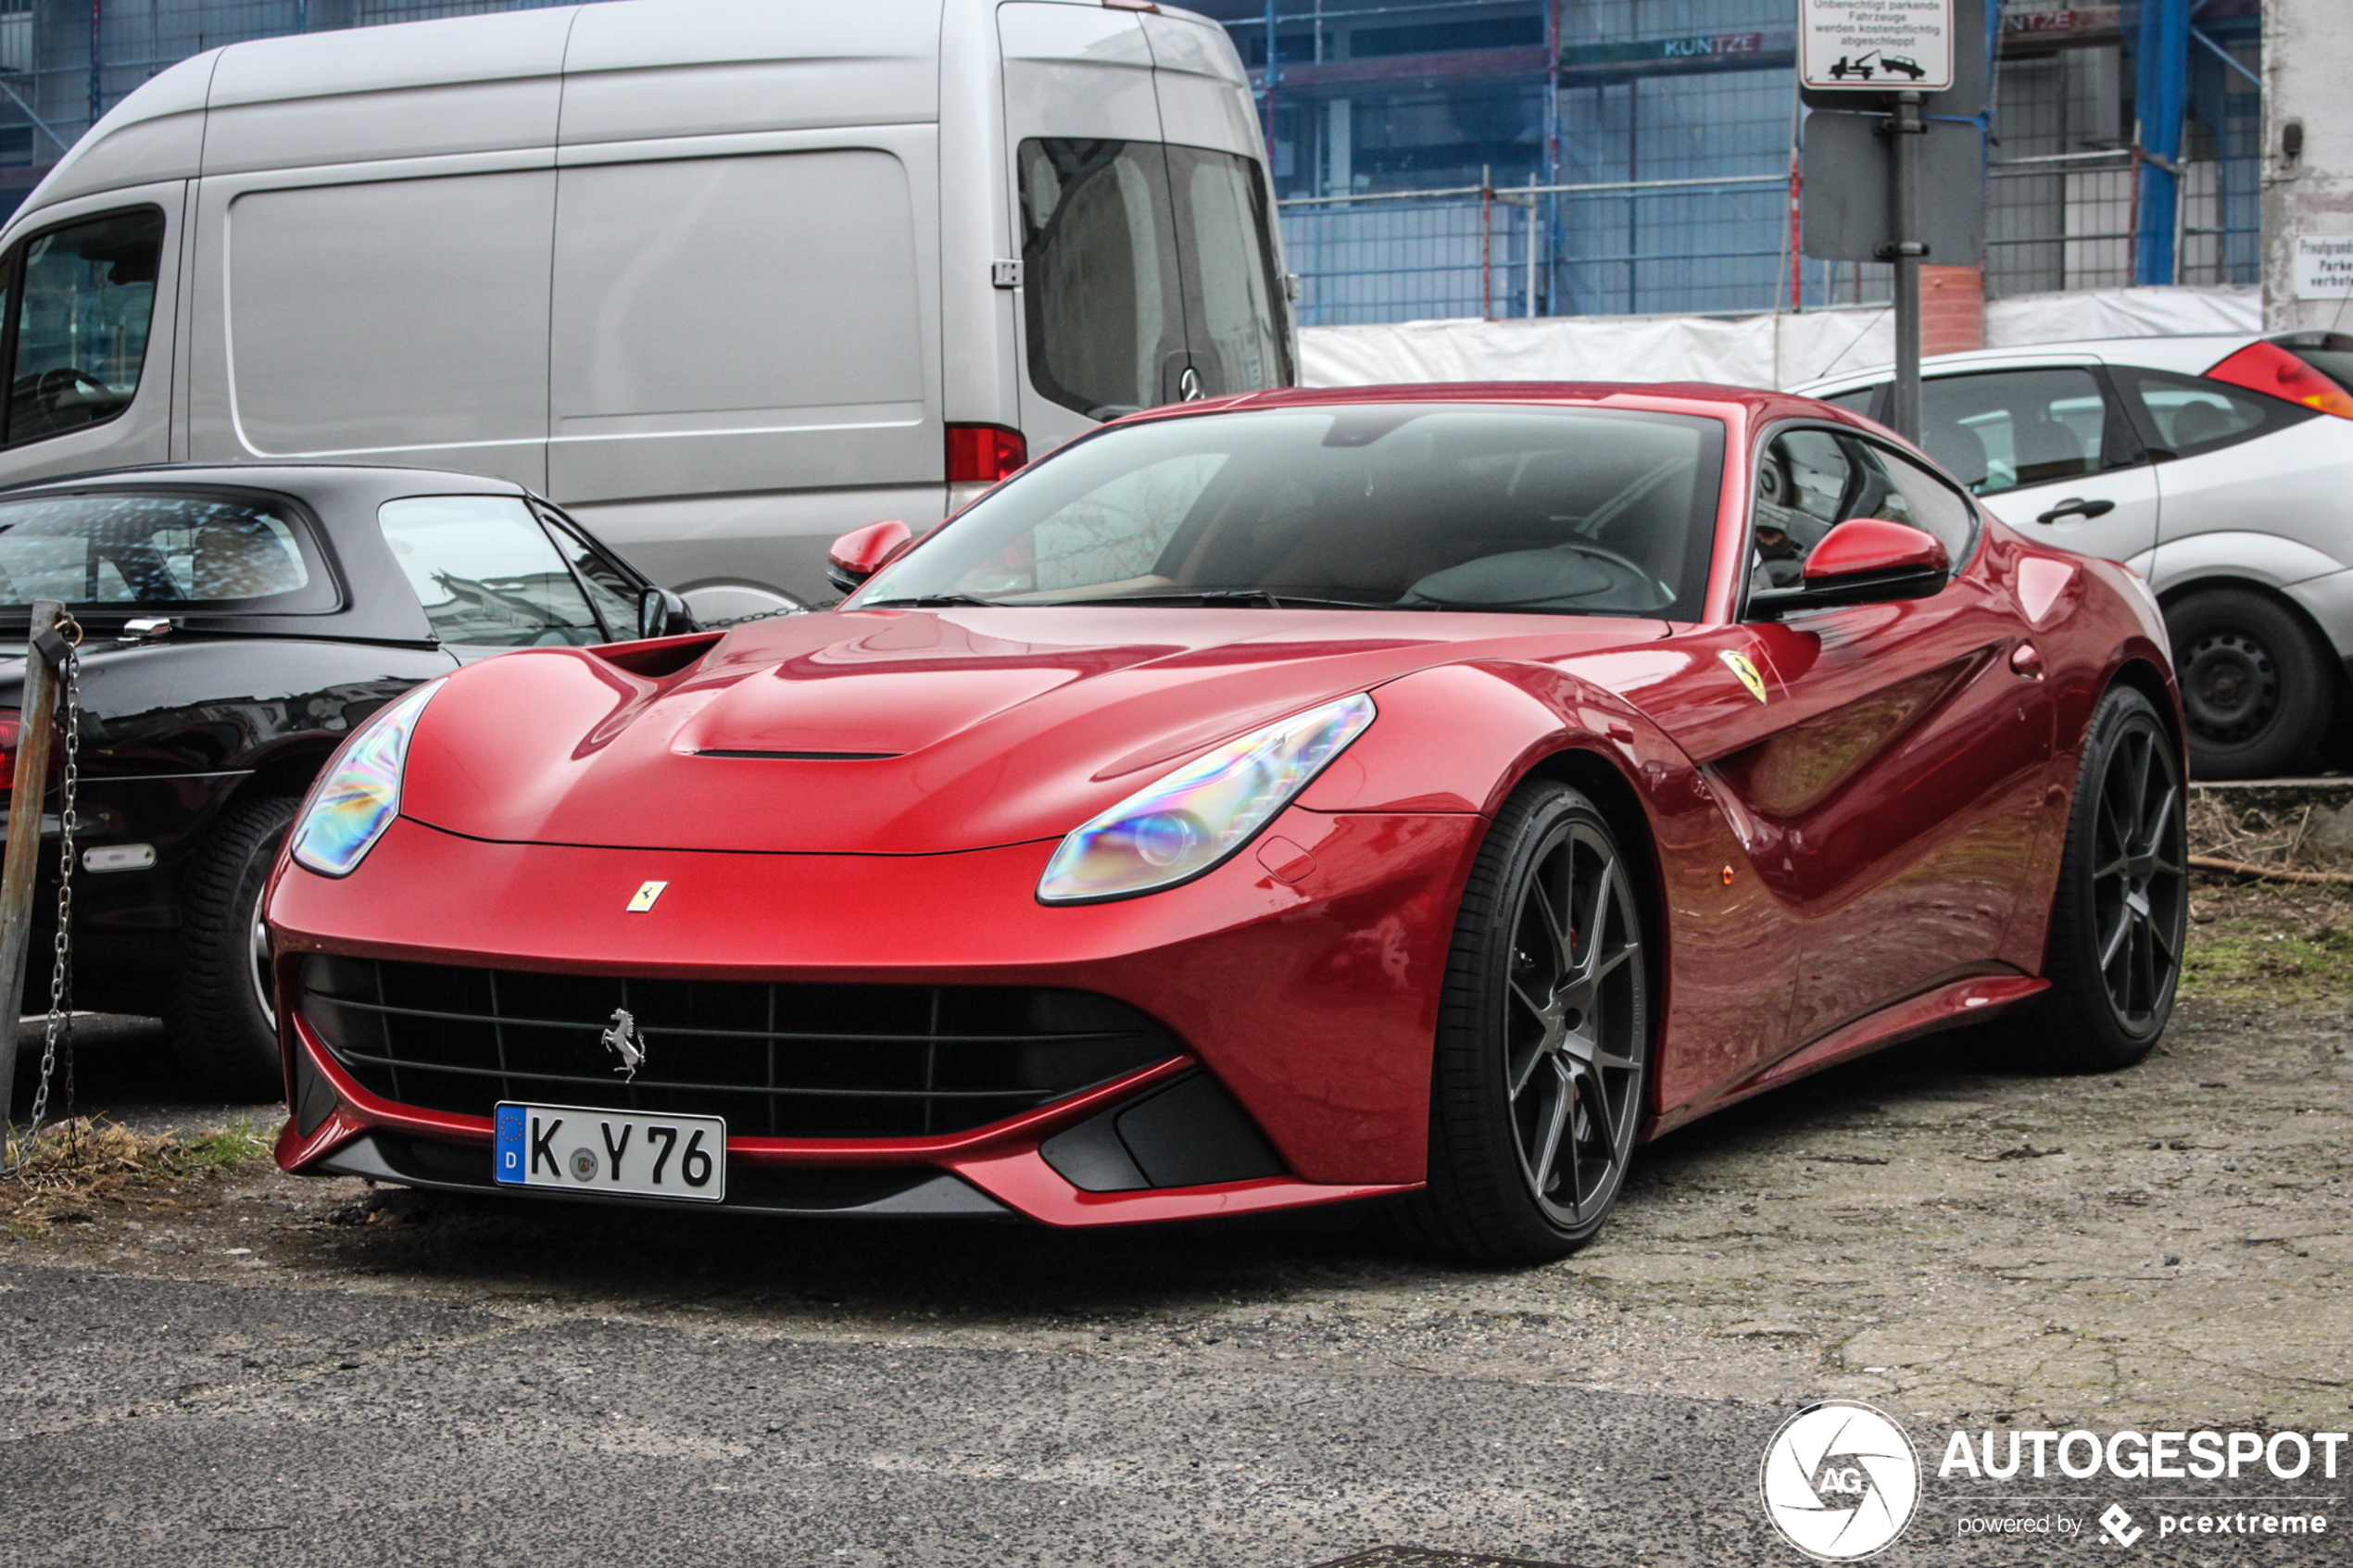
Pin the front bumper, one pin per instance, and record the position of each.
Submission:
(1311, 997)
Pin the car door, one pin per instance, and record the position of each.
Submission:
(2048, 450)
(1900, 770)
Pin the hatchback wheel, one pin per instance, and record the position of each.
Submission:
(1544, 1039)
(2120, 912)
(224, 1022)
(2256, 688)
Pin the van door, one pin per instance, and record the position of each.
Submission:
(375, 321)
(1237, 314)
(1103, 295)
(86, 308)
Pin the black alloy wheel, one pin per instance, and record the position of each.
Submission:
(1544, 1037)
(2255, 689)
(2121, 912)
(223, 1021)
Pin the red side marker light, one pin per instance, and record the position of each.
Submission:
(984, 454)
(11, 731)
(2272, 371)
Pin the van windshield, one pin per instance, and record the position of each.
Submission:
(1428, 507)
(1150, 275)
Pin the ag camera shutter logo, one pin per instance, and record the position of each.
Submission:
(1840, 1481)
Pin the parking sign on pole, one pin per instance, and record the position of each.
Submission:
(1875, 45)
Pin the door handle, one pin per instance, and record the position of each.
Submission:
(2076, 506)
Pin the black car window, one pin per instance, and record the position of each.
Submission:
(2187, 415)
(1804, 481)
(1909, 493)
(1105, 304)
(132, 550)
(80, 301)
(486, 574)
(612, 590)
(1858, 401)
(2003, 429)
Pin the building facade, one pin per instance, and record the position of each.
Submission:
(1518, 157)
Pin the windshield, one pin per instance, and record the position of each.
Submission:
(167, 552)
(1378, 506)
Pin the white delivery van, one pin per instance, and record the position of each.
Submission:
(726, 278)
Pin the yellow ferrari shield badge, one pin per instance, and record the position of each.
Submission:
(1738, 663)
(643, 900)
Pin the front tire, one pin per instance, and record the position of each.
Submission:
(1544, 1039)
(223, 1021)
(2255, 689)
(2121, 913)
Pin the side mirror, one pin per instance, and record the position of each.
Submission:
(1863, 561)
(662, 613)
(860, 553)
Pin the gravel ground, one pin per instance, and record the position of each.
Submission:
(244, 1367)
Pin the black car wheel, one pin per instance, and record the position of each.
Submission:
(2255, 689)
(224, 1022)
(1543, 1039)
(2121, 909)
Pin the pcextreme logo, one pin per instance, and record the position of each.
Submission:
(1840, 1481)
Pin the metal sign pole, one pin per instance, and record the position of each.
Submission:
(22, 869)
(1904, 414)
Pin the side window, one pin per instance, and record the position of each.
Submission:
(1235, 306)
(81, 299)
(2186, 415)
(2006, 429)
(486, 574)
(1804, 481)
(1105, 306)
(1901, 491)
(612, 590)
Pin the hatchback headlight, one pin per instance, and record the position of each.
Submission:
(1192, 819)
(352, 805)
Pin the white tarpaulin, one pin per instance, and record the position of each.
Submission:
(1764, 350)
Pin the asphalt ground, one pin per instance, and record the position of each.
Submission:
(224, 1364)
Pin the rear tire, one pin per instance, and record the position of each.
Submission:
(2257, 689)
(1542, 1066)
(224, 1022)
(2121, 912)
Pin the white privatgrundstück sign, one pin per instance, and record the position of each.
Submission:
(2324, 266)
(1876, 46)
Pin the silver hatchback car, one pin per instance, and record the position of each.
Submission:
(2220, 469)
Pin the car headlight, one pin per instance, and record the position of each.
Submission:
(1193, 818)
(352, 805)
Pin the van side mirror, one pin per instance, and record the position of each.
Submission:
(861, 553)
(1863, 561)
(662, 613)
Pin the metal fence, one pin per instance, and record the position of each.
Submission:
(1720, 245)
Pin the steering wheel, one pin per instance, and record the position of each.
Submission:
(58, 380)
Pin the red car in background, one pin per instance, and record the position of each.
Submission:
(1427, 791)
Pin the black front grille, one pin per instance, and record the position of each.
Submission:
(775, 1060)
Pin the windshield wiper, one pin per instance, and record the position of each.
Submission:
(926, 601)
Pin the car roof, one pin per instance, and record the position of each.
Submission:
(2190, 354)
(379, 604)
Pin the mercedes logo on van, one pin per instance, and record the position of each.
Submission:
(1840, 1481)
(1188, 386)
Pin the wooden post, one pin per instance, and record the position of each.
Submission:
(21, 873)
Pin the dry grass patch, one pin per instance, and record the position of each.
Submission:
(77, 1168)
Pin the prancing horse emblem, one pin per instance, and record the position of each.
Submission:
(622, 1038)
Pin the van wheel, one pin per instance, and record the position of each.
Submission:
(2255, 688)
(223, 1020)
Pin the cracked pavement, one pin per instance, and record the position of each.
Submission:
(256, 1369)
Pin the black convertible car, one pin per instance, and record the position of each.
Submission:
(238, 623)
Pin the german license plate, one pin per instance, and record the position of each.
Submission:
(580, 1150)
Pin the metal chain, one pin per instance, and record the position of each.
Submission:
(60, 1022)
